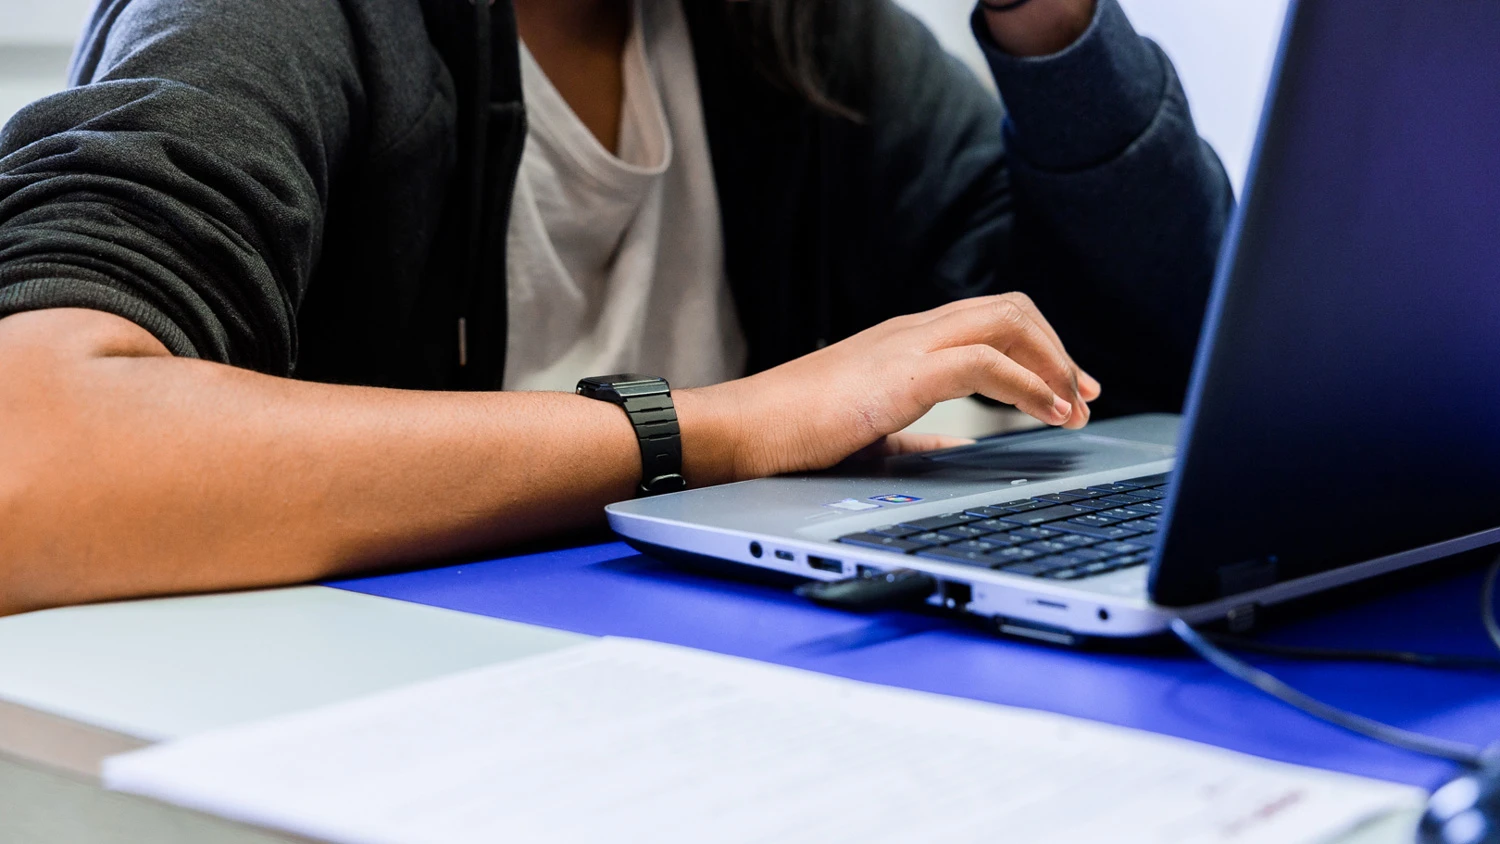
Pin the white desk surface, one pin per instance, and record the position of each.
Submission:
(165, 668)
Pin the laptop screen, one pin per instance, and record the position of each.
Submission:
(1346, 400)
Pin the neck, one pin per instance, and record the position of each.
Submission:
(591, 23)
(579, 45)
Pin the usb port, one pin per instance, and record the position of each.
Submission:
(954, 595)
(825, 564)
(785, 555)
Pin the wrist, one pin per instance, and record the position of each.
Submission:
(711, 436)
(1039, 27)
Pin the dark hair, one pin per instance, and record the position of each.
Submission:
(791, 41)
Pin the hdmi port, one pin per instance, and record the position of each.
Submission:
(825, 564)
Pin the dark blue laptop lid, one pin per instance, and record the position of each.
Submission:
(1346, 398)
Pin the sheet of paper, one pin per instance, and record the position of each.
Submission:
(621, 740)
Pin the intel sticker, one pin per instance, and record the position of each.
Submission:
(896, 499)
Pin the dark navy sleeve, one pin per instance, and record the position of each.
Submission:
(1120, 205)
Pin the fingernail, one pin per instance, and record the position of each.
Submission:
(1062, 409)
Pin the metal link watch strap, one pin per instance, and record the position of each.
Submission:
(655, 422)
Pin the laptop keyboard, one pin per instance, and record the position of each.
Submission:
(1064, 536)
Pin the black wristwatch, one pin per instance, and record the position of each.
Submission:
(647, 400)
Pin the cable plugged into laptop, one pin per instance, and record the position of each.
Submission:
(1467, 809)
(872, 591)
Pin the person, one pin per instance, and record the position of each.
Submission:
(292, 289)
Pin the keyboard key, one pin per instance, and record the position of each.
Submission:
(1062, 561)
(884, 543)
(1109, 489)
(1049, 514)
(1110, 532)
(1141, 525)
(1152, 507)
(986, 512)
(1073, 540)
(931, 537)
(948, 555)
(974, 546)
(940, 522)
(1048, 546)
(1096, 520)
(1151, 480)
(1146, 495)
(1122, 547)
(1013, 537)
(1023, 569)
(1131, 561)
(1011, 555)
(1132, 512)
(1097, 568)
(1034, 533)
(1063, 574)
(968, 531)
(1092, 555)
(1063, 497)
(1092, 504)
(1023, 505)
(1118, 500)
(894, 531)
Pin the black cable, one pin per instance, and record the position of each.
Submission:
(1464, 754)
(1241, 643)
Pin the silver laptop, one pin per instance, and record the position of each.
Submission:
(1344, 415)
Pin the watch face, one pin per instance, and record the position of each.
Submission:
(625, 385)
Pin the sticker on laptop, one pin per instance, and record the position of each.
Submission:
(853, 504)
(895, 499)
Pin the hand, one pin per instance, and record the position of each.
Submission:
(1041, 27)
(813, 412)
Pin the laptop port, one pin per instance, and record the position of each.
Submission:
(785, 555)
(954, 595)
(825, 564)
(868, 571)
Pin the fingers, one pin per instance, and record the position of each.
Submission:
(1005, 325)
(961, 371)
(1088, 386)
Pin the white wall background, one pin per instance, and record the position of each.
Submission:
(41, 21)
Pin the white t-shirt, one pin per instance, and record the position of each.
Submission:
(616, 263)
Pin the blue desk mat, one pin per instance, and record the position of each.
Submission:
(612, 590)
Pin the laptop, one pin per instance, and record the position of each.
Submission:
(1343, 419)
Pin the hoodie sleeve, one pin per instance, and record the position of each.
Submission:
(183, 180)
(1086, 187)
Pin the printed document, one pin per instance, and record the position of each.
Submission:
(625, 741)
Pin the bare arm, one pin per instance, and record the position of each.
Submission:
(127, 472)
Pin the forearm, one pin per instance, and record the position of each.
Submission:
(129, 472)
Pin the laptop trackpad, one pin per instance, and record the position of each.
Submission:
(1007, 459)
